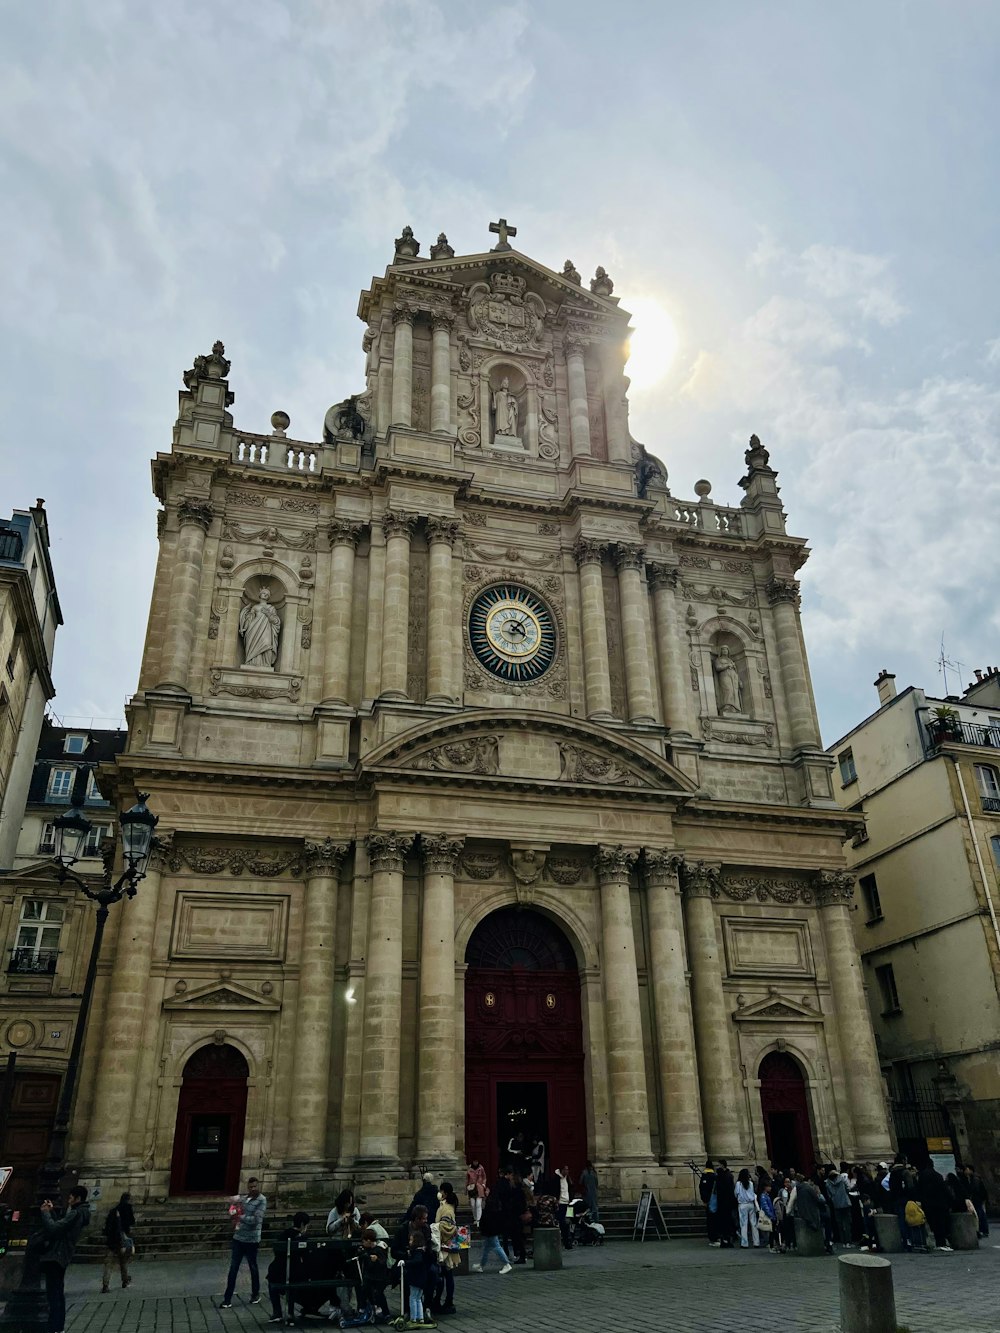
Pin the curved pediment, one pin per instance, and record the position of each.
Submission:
(527, 747)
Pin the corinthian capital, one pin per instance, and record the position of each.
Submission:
(661, 866)
(442, 530)
(342, 533)
(700, 879)
(196, 511)
(613, 863)
(834, 887)
(630, 557)
(575, 346)
(588, 552)
(440, 852)
(323, 858)
(387, 851)
(782, 590)
(402, 314)
(397, 524)
(442, 319)
(663, 576)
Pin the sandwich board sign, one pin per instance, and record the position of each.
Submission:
(648, 1214)
(5, 1174)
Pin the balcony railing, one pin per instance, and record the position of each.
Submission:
(36, 962)
(963, 733)
(991, 805)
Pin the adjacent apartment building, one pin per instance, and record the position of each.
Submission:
(925, 773)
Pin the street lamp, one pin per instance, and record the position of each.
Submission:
(26, 1307)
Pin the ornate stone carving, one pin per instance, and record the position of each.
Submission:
(444, 530)
(161, 523)
(342, 533)
(629, 557)
(260, 630)
(387, 851)
(270, 537)
(549, 529)
(469, 403)
(661, 866)
(209, 860)
(547, 374)
(480, 754)
(728, 687)
(440, 853)
(248, 499)
(580, 765)
(402, 314)
(502, 311)
(211, 367)
(527, 863)
(722, 597)
(220, 684)
(195, 511)
(395, 523)
(570, 273)
(294, 505)
(442, 319)
(323, 858)
(601, 284)
(834, 887)
(718, 729)
(613, 863)
(464, 354)
(441, 249)
(783, 590)
(407, 246)
(588, 552)
(663, 576)
(163, 850)
(516, 556)
(575, 346)
(480, 865)
(566, 870)
(700, 879)
(475, 518)
(743, 888)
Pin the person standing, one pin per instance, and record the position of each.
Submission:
(840, 1202)
(61, 1236)
(119, 1226)
(246, 1242)
(447, 1221)
(934, 1198)
(588, 1188)
(475, 1186)
(425, 1197)
(537, 1160)
(980, 1198)
(746, 1202)
(900, 1193)
(281, 1272)
(709, 1197)
(725, 1212)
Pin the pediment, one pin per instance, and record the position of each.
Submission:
(220, 995)
(778, 1008)
(527, 748)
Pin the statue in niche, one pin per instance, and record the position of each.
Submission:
(260, 629)
(728, 688)
(505, 410)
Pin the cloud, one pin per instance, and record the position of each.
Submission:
(842, 277)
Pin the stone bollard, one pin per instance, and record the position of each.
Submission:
(963, 1231)
(547, 1249)
(887, 1230)
(808, 1240)
(867, 1303)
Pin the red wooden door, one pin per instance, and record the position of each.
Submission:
(24, 1137)
(785, 1109)
(211, 1118)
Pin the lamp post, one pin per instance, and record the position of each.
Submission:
(26, 1307)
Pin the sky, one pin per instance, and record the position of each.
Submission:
(806, 192)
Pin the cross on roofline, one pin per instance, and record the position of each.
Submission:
(503, 231)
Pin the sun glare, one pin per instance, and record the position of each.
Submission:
(653, 344)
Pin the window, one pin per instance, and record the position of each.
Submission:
(47, 842)
(75, 744)
(869, 891)
(95, 837)
(38, 931)
(10, 665)
(887, 989)
(988, 781)
(995, 844)
(61, 782)
(93, 791)
(848, 773)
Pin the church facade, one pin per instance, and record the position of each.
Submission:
(490, 784)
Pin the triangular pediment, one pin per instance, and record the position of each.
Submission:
(525, 748)
(779, 1008)
(220, 995)
(43, 873)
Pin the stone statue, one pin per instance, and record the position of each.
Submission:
(505, 409)
(260, 628)
(727, 683)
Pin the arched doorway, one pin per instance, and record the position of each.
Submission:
(785, 1108)
(523, 1040)
(211, 1116)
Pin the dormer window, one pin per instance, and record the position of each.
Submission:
(76, 743)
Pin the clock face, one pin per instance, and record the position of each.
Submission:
(512, 632)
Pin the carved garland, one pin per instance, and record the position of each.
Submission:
(209, 860)
(269, 537)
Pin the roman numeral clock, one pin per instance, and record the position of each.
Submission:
(512, 632)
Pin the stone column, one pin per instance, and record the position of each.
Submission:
(119, 1040)
(337, 661)
(383, 998)
(596, 672)
(396, 604)
(683, 1135)
(626, 1062)
(719, 1104)
(314, 1012)
(402, 366)
(859, 1058)
(783, 594)
(579, 405)
(630, 561)
(441, 660)
(615, 408)
(671, 650)
(436, 1096)
(441, 326)
(195, 518)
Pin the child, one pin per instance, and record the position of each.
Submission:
(374, 1272)
(278, 1272)
(416, 1266)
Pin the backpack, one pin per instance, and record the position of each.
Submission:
(914, 1214)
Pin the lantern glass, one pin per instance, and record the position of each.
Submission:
(71, 830)
(137, 827)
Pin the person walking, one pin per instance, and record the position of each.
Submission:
(746, 1202)
(475, 1187)
(980, 1198)
(119, 1226)
(61, 1236)
(280, 1272)
(934, 1198)
(490, 1225)
(588, 1188)
(246, 1242)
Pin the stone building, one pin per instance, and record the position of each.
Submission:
(925, 774)
(479, 754)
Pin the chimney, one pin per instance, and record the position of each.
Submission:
(886, 686)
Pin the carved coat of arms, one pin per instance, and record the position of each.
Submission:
(504, 312)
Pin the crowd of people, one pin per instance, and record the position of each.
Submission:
(759, 1209)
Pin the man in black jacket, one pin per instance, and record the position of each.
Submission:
(706, 1189)
(425, 1197)
(280, 1271)
(119, 1226)
(725, 1198)
(61, 1236)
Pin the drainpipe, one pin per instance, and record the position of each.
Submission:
(979, 859)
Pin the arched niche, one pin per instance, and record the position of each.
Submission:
(745, 648)
(521, 385)
(291, 595)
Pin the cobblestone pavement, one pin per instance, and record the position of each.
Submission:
(677, 1286)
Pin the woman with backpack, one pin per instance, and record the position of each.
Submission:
(119, 1226)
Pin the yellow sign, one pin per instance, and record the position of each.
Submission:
(939, 1145)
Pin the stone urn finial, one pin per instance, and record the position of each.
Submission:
(407, 246)
(600, 283)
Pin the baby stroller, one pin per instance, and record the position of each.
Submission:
(585, 1230)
